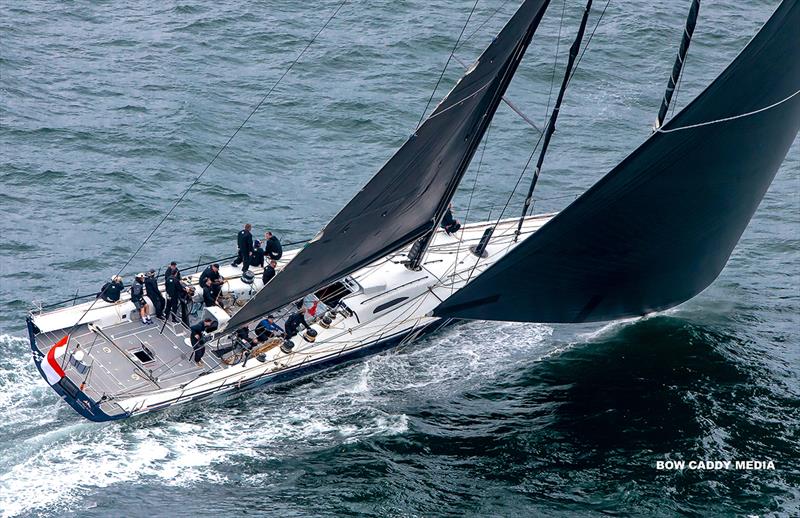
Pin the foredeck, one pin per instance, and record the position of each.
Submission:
(112, 366)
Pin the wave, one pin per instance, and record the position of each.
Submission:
(183, 446)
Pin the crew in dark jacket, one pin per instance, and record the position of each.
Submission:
(295, 321)
(449, 223)
(209, 298)
(217, 280)
(172, 285)
(197, 339)
(258, 255)
(269, 271)
(154, 294)
(244, 240)
(185, 297)
(137, 297)
(272, 247)
(111, 291)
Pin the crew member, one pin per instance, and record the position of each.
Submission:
(267, 328)
(272, 246)
(185, 296)
(269, 271)
(217, 280)
(449, 223)
(197, 339)
(111, 291)
(172, 285)
(244, 240)
(258, 254)
(154, 294)
(296, 320)
(209, 298)
(137, 297)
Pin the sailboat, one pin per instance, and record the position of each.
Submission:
(652, 233)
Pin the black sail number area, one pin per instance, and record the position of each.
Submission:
(387, 305)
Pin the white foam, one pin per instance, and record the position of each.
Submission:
(184, 446)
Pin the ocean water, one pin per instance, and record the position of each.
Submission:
(109, 110)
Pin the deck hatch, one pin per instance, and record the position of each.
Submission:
(145, 355)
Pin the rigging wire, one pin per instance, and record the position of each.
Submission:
(471, 194)
(219, 152)
(547, 109)
(551, 124)
(552, 80)
(449, 58)
(588, 41)
(473, 33)
(677, 91)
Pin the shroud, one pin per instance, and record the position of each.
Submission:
(658, 228)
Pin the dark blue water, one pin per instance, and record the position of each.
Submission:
(109, 111)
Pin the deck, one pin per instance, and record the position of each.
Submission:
(130, 358)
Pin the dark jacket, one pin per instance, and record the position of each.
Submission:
(294, 322)
(448, 220)
(111, 291)
(269, 273)
(137, 291)
(208, 297)
(151, 287)
(197, 333)
(209, 273)
(183, 293)
(258, 257)
(245, 241)
(273, 248)
(172, 281)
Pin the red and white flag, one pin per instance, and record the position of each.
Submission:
(50, 364)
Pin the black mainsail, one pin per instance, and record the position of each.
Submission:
(406, 198)
(659, 228)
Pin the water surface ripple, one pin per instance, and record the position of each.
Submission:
(109, 110)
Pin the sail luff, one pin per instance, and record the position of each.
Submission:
(677, 67)
(660, 226)
(551, 125)
(475, 140)
(404, 200)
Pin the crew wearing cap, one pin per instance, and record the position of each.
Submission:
(111, 290)
(267, 328)
(137, 297)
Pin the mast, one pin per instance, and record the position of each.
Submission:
(419, 248)
(551, 125)
(408, 196)
(691, 21)
(659, 227)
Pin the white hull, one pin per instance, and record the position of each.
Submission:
(390, 305)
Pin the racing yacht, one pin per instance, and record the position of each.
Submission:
(652, 233)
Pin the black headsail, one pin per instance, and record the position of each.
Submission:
(659, 228)
(407, 196)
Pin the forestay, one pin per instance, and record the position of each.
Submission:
(659, 228)
(404, 200)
